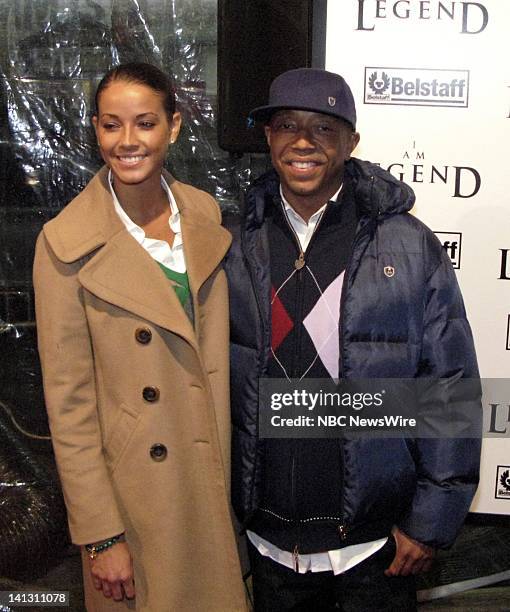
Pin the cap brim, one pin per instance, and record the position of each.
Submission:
(263, 113)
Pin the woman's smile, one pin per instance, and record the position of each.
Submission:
(131, 159)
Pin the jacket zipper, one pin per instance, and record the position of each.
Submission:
(343, 528)
(299, 264)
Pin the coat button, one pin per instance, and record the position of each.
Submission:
(150, 394)
(143, 335)
(158, 452)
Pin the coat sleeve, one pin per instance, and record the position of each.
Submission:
(70, 393)
(447, 468)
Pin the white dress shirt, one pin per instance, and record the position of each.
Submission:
(170, 256)
(304, 231)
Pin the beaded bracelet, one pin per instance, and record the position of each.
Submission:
(95, 549)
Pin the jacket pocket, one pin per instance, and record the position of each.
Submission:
(119, 436)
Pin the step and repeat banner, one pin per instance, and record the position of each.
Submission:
(432, 86)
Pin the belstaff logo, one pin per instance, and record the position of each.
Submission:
(503, 482)
(469, 17)
(379, 83)
(389, 271)
(452, 244)
(331, 101)
(416, 86)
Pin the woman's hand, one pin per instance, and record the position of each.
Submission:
(112, 572)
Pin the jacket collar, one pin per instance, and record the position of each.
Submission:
(377, 192)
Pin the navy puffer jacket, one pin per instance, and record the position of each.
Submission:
(412, 324)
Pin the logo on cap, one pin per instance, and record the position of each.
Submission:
(331, 101)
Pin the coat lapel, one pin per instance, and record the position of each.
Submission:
(205, 242)
(123, 273)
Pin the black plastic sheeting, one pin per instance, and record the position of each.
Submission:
(32, 513)
(52, 55)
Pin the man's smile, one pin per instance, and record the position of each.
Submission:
(302, 168)
(131, 159)
(303, 165)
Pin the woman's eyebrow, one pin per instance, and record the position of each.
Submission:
(139, 116)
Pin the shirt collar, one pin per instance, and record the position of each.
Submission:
(316, 214)
(131, 226)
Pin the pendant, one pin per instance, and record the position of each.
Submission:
(300, 262)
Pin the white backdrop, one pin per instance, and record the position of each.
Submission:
(432, 87)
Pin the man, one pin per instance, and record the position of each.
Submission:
(330, 277)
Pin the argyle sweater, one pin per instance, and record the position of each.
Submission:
(302, 478)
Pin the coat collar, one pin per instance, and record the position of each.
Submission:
(121, 272)
(85, 224)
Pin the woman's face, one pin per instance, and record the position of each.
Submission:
(133, 131)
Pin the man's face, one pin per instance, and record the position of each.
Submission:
(308, 150)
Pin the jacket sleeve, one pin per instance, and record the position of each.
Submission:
(447, 468)
(70, 393)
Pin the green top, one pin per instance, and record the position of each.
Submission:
(180, 283)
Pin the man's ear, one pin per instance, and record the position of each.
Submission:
(267, 132)
(354, 142)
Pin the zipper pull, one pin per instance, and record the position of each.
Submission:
(342, 532)
(300, 261)
(295, 557)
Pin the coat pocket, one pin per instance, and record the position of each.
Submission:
(119, 436)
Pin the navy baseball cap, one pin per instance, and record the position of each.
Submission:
(309, 89)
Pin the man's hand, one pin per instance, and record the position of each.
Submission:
(112, 572)
(412, 557)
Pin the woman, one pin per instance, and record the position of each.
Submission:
(131, 306)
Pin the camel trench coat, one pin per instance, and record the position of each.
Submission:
(137, 398)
